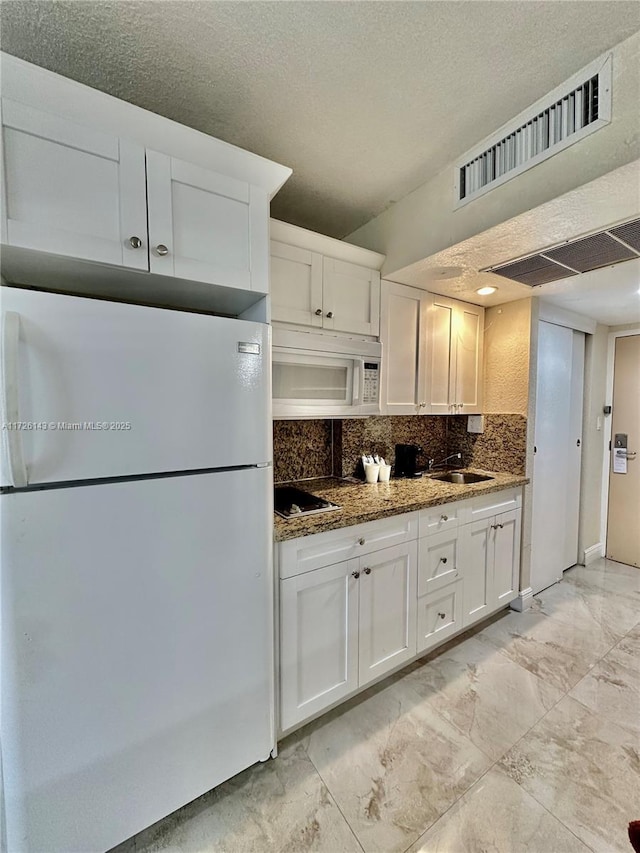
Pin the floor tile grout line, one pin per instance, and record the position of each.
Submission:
(334, 800)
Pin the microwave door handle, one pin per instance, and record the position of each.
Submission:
(356, 383)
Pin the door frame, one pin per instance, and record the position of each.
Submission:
(606, 458)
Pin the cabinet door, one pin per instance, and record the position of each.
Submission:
(296, 285)
(440, 358)
(506, 560)
(477, 569)
(351, 298)
(387, 635)
(439, 615)
(71, 190)
(438, 559)
(214, 228)
(318, 640)
(403, 331)
(468, 336)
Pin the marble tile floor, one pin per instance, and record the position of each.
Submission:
(521, 736)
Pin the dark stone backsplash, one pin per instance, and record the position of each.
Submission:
(322, 448)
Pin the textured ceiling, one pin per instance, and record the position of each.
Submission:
(364, 100)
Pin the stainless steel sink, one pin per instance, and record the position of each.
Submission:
(461, 477)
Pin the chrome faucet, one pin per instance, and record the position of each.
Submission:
(433, 464)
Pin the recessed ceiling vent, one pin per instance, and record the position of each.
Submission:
(579, 107)
(604, 249)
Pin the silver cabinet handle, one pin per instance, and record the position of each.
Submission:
(161, 249)
(355, 575)
(442, 615)
(367, 571)
(318, 312)
(330, 314)
(422, 405)
(135, 242)
(361, 541)
(443, 560)
(444, 518)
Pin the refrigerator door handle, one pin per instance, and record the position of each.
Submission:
(11, 400)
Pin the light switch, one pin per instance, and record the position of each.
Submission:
(475, 423)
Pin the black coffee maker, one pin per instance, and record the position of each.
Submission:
(406, 460)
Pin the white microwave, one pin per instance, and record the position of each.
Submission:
(319, 376)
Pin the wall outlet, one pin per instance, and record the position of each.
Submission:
(475, 423)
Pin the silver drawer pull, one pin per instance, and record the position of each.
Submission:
(361, 541)
(442, 615)
(135, 242)
(444, 518)
(162, 250)
(367, 571)
(318, 312)
(443, 559)
(355, 575)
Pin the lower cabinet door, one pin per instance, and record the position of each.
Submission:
(388, 591)
(477, 558)
(318, 640)
(439, 556)
(506, 563)
(439, 615)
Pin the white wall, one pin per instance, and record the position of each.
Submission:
(424, 222)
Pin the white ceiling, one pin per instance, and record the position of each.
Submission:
(365, 100)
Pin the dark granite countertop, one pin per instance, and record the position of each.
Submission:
(362, 502)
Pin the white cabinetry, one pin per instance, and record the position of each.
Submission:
(72, 190)
(455, 333)
(204, 226)
(432, 353)
(344, 624)
(359, 602)
(491, 552)
(323, 284)
(96, 191)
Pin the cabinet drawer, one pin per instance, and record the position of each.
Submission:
(444, 517)
(322, 549)
(438, 561)
(439, 615)
(488, 505)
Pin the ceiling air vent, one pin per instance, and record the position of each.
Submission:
(621, 243)
(579, 107)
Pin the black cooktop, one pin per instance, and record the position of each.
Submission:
(290, 502)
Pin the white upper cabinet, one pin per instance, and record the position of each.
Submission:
(296, 285)
(72, 190)
(204, 226)
(324, 284)
(403, 334)
(432, 353)
(108, 190)
(454, 357)
(350, 298)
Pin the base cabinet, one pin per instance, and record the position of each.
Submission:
(373, 609)
(342, 626)
(318, 640)
(490, 550)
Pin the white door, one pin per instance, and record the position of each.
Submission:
(403, 331)
(468, 336)
(318, 640)
(351, 298)
(574, 450)
(387, 634)
(137, 666)
(113, 390)
(440, 615)
(296, 285)
(72, 190)
(506, 557)
(439, 558)
(441, 355)
(556, 470)
(477, 554)
(205, 226)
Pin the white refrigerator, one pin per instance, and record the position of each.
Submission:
(136, 577)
